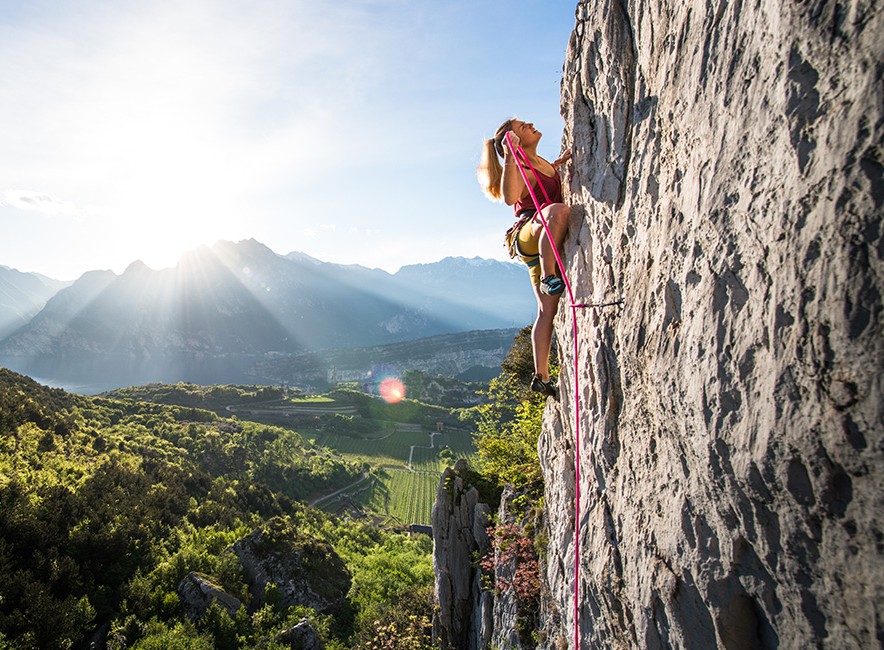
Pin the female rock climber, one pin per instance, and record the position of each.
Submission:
(527, 238)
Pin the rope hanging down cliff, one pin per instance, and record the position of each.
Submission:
(523, 158)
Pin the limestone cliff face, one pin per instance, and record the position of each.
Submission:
(727, 180)
(463, 620)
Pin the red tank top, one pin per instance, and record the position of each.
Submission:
(552, 185)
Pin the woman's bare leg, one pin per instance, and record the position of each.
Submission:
(557, 216)
(542, 332)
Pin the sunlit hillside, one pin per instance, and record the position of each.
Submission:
(400, 448)
(132, 524)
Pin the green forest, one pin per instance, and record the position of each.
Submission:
(164, 517)
(110, 507)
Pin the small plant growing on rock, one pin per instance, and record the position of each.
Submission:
(513, 562)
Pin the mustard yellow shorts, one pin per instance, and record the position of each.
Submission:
(528, 249)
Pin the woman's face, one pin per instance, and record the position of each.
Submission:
(526, 132)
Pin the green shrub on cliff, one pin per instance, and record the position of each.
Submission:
(509, 423)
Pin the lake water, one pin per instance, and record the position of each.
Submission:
(90, 376)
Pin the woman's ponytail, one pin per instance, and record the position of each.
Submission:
(490, 171)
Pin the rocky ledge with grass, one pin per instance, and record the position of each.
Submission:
(286, 568)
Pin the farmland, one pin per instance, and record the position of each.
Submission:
(399, 445)
(405, 497)
(395, 449)
(397, 492)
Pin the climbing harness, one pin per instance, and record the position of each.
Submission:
(522, 157)
(511, 239)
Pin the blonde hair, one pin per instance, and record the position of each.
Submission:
(490, 171)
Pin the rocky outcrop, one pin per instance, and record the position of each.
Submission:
(301, 637)
(727, 180)
(300, 570)
(198, 593)
(487, 578)
(463, 619)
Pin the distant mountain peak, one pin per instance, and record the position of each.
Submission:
(98, 274)
(297, 256)
(22, 296)
(136, 268)
(251, 246)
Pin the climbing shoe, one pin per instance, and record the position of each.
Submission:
(544, 387)
(552, 285)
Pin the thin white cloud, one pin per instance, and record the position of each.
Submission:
(42, 202)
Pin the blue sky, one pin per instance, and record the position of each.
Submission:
(346, 129)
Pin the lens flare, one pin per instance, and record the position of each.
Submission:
(392, 390)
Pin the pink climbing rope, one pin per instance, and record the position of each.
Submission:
(520, 155)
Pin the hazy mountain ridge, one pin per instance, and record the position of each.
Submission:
(469, 356)
(22, 296)
(235, 298)
(224, 308)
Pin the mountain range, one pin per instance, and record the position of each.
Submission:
(242, 299)
(22, 296)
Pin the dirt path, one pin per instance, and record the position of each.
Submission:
(430, 446)
(315, 503)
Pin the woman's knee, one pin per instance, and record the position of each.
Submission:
(547, 309)
(557, 216)
(556, 211)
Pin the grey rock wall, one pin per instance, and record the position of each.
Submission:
(727, 180)
(464, 612)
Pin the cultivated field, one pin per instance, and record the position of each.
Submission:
(405, 497)
(398, 491)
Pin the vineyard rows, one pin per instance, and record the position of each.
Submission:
(406, 497)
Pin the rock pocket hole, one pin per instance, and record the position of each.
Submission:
(742, 625)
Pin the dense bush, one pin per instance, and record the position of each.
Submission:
(509, 422)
